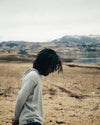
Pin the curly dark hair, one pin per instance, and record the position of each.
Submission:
(47, 58)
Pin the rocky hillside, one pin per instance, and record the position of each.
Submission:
(66, 47)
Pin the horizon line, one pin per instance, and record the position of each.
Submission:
(49, 40)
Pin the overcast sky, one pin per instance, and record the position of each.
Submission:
(44, 20)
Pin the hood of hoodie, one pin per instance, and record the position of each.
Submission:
(28, 71)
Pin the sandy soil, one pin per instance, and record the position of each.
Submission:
(69, 98)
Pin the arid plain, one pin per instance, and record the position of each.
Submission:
(69, 98)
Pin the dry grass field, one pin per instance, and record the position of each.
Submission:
(69, 98)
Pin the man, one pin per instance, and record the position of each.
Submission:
(29, 108)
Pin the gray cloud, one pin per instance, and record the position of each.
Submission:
(48, 17)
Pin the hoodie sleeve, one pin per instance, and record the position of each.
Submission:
(29, 82)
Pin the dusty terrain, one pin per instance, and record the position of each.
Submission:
(69, 98)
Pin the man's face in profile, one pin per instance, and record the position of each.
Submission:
(47, 72)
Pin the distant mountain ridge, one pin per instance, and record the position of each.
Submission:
(79, 39)
(67, 38)
(67, 46)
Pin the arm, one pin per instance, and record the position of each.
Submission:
(29, 82)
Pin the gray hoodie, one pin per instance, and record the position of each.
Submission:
(28, 107)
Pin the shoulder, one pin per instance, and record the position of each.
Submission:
(33, 75)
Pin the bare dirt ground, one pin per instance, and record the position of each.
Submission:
(69, 98)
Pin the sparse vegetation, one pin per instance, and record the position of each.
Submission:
(71, 97)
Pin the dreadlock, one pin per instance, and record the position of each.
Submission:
(47, 58)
